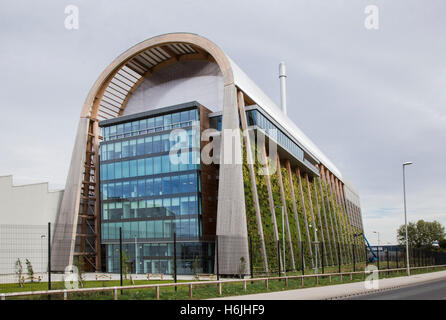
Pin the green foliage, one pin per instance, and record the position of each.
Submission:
(421, 234)
(19, 272)
(125, 264)
(30, 270)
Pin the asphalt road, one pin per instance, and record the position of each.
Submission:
(435, 290)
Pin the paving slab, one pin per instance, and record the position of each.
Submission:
(340, 291)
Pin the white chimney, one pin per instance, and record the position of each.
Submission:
(282, 77)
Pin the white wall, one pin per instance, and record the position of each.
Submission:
(184, 81)
(24, 215)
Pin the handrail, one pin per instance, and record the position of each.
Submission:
(195, 283)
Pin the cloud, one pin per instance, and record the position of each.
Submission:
(369, 100)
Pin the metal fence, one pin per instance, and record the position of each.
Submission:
(26, 258)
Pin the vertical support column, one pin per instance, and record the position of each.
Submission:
(332, 212)
(321, 227)
(305, 217)
(325, 218)
(282, 196)
(293, 198)
(232, 229)
(270, 198)
(249, 158)
(97, 192)
(338, 220)
(343, 216)
(311, 207)
(347, 214)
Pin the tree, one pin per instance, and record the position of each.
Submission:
(30, 270)
(80, 265)
(125, 265)
(242, 267)
(421, 234)
(19, 271)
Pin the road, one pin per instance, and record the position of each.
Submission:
(435, 290)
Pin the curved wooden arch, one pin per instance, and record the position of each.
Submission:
(91, 104)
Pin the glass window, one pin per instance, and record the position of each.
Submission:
(184, 206)
(184, 116)
(157, 186)
(127, 129)
(167, 121)
(133, 168)
(141, 188)
(156, 165)
(149, 187)
(120, 130)
(103, 170)
(133, 189)
(111, 171)
(159, 122)
(141, 169)
(175, 117)
(193, 114)
(148, 145)
(149, 166)
(125, 169)
(166, 206)
(135, 128)
(174, 184)
(166, 185)
(126, 190)
(111, 151)
(175, 206)
(125, 149)
(158, 229)
(118, 171)
(150, 225)
(156, 144)
(103, 152)
(140, 147)
(165, 164)
(150, 123)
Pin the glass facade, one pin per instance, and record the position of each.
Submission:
(256, 118)
(149, 196)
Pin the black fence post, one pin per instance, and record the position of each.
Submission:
(322, 257)
(378, 255)
(339, 258)
(354, 258)
(251, 262)
(175, 258)
(302, 257)
(278, 256)
(387, 258)
(216, 255)
(49, 256)
(120, 257)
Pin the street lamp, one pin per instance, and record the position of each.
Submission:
(377, 249)
(42, 237)
(405, 215)
(283, 238)
(136, 255)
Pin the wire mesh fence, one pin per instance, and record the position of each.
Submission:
(27, 253)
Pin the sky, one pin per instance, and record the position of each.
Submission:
(370, 99)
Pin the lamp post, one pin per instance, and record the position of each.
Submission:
(377, 249)
(136, 255)
(405, 216)
(42, 238)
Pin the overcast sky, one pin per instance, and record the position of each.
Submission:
(370, 99)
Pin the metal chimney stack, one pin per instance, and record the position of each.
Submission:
(282, 77)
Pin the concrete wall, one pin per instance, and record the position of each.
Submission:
(24, 215)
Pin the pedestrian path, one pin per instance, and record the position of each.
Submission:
(341, 290)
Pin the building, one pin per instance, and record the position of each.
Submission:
(122, 176)
(24, 224)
